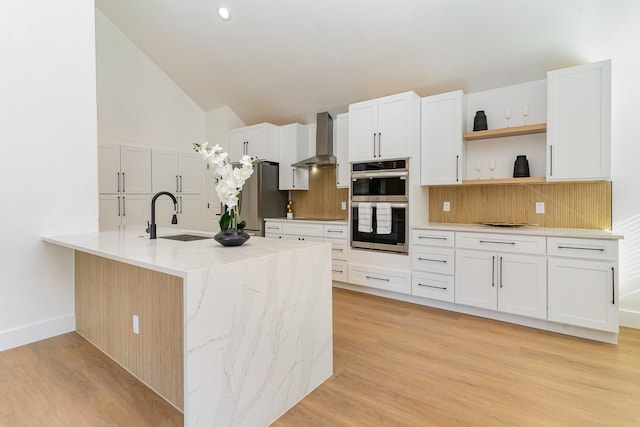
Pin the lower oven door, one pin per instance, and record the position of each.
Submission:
(395, 241)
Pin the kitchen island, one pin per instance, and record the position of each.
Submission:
(229, 335)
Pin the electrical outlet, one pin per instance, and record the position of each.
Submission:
(343, 206)
(136, 324)
(539, 207)
(446, 206)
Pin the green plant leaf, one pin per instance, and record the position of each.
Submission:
(225, 221)
(242, 224)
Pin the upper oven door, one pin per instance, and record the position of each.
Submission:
(379, 186)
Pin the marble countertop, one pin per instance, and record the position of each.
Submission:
(310, 220)
(169, 256)
(527, 230)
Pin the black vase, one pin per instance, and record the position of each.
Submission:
(480, 121)
(521, 167)
(231, 237)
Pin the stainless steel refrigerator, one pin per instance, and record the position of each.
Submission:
(261, 198)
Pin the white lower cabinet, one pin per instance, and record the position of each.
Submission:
(510, 283)
(336, 234)
(380, 278)
(514, 283)
(583, 284)
(433, 264)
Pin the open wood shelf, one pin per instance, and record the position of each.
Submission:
(531, 180)
(500, 133)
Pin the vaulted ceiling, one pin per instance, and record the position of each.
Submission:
(285, 60)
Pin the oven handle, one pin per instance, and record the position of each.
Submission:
(373, 204)
(386, 174)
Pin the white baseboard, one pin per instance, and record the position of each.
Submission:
(37, 331)
(629, 318)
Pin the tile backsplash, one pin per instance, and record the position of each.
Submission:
(566, 204)
(323, 200)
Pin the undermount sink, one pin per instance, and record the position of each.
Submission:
(185, 237)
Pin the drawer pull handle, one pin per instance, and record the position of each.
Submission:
(338, 271)
(613, 286)
(335, 231)
(581, 249)
(496, 242)
(377, 278)
(493, 271)
(432, 260)
(336, 249)
(434, 287)
(273, 228)
(432, 237)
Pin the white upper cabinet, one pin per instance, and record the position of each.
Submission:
(579, 123)
(177, 172)
(259, 141)
(442, 154)
(293, 146)
(124, 169)
(341, 150)
(383, 128)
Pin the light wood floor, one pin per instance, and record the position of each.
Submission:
(395, 364)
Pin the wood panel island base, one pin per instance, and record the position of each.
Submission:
(230, 336)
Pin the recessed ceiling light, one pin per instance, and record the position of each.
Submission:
(224, 13)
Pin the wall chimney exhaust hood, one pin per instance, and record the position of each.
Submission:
(324, 144)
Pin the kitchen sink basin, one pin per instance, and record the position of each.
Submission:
(185, 237)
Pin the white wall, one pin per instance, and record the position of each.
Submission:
(48, 154)
(626, 183)
(137, 102)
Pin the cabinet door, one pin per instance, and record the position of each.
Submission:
(237, 143)
(395, 126)
(109, 168)
(293, 144)
(191, 170)
(522, 285)
(442, 155)
(165, 171)
(583, 293)
(341, 151)
(136, 211)
(579, 122)
(190, 212)
(263, 142)
(135, 166)
(363, 121)
(476, 279)
(109, 212)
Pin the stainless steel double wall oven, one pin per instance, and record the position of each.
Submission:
(374, 183)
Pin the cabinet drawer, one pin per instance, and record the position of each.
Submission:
(433, 260)
(273, 235)
(302, 229)
(380, 278)
(432, 238)
(273, 227)
(502, 242)
(339, 270)
(298, 237)
(339, 248)
(434, 286)
(583, 248)
(336, 231)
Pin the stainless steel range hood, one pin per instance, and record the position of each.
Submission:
(324, 144)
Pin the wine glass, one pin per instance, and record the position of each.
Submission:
(507, 114)
(525, 113)
(478, 167)
(492, 167)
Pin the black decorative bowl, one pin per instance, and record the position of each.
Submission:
(231, 237)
